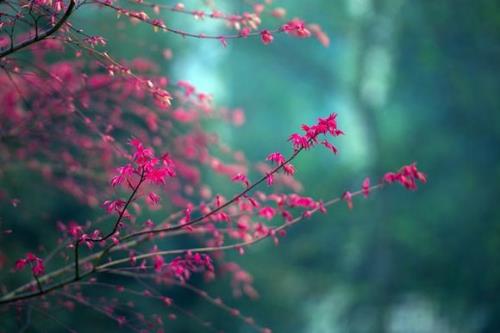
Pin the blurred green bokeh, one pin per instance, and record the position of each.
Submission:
(411, 81)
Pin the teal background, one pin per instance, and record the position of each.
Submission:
(411, 81)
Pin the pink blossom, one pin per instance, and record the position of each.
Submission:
(266, 36)
(299, 142)
(287, 215)
(20, 264)
(158, 23)
(267, 213)
(278, 12)
(113, 205)
(161, 97)
(183, 267)
(222, 217)
(241, 178)
(366, 187)
(244, 32)
(95, 40)
(123, 173)
(296, 28)
(188, 88)
(37, 267)
(390, 177)
(238, 117)
(258, 8)
(154, 198)
(141, 154)
(328, 145)
(74, 229)
(121, 320)
(219, 200)
(261, 230)
(406, 176)
(289, 169)
(324, 126)
(276, 157)
(295, 200)
(223, 41)
(252, 201)
(159, 175)
(320, 34)
(158, 263)
(347, 197)
(269, 179)
(167, 301)
(187, 215)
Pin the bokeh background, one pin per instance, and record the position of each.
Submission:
(411, 81)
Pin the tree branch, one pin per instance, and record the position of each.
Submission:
(41, 36)
(12, 297)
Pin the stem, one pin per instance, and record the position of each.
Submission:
(46, 291)
(77, 264)
(122, 212)
(111, 233)
(221, 207)
(38, 284)
(236, 245)
(78, 277)
(203, 217)
(11, 298)
(39, 37)
(184, 33)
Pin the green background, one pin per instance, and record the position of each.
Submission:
(411, 81)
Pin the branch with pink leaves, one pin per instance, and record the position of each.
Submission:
(43, 35)
(250, 22)
(157, 170)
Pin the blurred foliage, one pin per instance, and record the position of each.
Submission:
(411, 81)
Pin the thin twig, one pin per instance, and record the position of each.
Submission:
(13, 48)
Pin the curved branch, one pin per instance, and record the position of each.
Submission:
(12, 297)
(43, 35)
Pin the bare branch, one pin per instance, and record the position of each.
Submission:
(39, 36)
